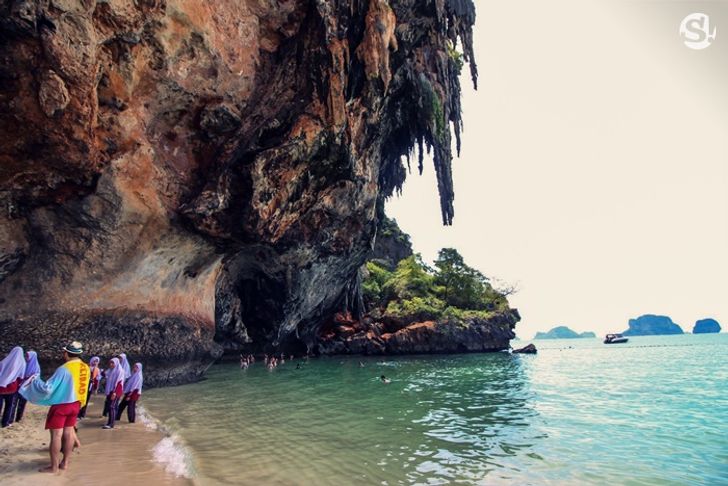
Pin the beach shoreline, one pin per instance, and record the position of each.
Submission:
(123, 455)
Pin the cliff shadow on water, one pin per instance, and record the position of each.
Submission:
(181, 179)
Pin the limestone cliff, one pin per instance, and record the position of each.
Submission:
(178, 176)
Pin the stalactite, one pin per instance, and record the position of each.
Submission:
(424, 94)
(461, 18)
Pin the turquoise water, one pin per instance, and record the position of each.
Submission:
(654, 411)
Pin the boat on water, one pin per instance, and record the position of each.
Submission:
(615, 339)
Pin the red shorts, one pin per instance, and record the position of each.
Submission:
(63, 415)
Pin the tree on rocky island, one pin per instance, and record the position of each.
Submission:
(462, 285)
(449, 290)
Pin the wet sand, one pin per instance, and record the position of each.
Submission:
(119, 456)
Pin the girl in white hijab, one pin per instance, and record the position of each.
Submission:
(132, 392)
(125, 365)
(114, 390)
(32, 367)
(12, 370)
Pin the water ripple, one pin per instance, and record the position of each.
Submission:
(653, 412)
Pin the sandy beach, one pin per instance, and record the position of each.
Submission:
(119, 456)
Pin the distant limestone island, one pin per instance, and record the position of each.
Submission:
(563, 332)
(706, 326)
(653, 325)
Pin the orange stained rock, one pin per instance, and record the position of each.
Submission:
(379, 38)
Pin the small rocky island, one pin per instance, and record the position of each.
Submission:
(410, 307)
(706, 326)
(563, 332)
(652, 325)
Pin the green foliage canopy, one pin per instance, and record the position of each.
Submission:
(451, 290)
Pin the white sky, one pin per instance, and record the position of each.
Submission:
(594, 170)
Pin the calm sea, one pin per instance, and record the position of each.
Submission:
(653, 411)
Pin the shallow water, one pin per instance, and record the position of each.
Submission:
(654, 411)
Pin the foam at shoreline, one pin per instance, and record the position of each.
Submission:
(170, 452)
(23, 449)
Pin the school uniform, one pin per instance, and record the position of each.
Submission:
(132, 392)
(32, 368)
(8, 401)
(115, 387)
(12, 370)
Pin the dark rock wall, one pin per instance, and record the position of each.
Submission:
(391, 244)
(180, 177)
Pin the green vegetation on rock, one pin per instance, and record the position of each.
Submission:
(451, 290)
(456, 56)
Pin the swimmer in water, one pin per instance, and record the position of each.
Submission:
(361, 364)
(384, 379)
(298, 366)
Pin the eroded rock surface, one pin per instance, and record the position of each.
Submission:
(381, 334)
(178, 177)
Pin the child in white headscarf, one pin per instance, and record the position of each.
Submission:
(114, 390)
(125, 365)
(12, 370)
(132, 392)
(32, 367)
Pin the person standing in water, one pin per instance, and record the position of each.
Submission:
(65, 392)
(12, 371)
(32, 367)
(114, 390)
(132, 392)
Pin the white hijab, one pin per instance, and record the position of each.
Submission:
(113, 376)
(12, 367)
(32, 366)
(136, 381)
(125, 366)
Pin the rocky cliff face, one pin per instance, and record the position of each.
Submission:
(179, 177)
(391, 244)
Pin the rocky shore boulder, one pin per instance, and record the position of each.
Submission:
(649, 324)
(379, 337)
(706, 326)
(529, 349)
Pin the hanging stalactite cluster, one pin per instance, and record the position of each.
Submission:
(424, 93)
